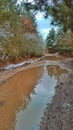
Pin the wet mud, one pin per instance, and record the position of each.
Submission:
(59, 114)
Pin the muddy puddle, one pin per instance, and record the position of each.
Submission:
(24, 97)
(54, 58)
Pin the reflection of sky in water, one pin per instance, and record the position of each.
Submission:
(55, 71)
(23, 97)
(29, 119)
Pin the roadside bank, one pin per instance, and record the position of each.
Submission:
(59, 114)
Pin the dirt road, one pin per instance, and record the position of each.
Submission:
(59, 114)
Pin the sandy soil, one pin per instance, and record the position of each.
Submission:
(59, 114)
(6, 74)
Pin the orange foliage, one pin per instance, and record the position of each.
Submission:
(27, 25)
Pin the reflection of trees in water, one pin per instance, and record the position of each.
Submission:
(55, 71)
(54, 58)
(15, 93)
(27, 99)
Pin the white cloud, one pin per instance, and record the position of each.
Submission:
(19, 1)
(43, 24)
(44, 32)
(39, 16)
(28, 1)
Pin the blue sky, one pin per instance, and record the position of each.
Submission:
(43, 24)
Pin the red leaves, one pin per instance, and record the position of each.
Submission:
(27, 25)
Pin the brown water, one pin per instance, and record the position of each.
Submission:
(23, 98)
(54, 58)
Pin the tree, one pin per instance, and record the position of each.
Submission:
(28, 18)
(9, 17)
(62, 13)
(27, 25)
(17, 24)
(60, 10)
(51, 39)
